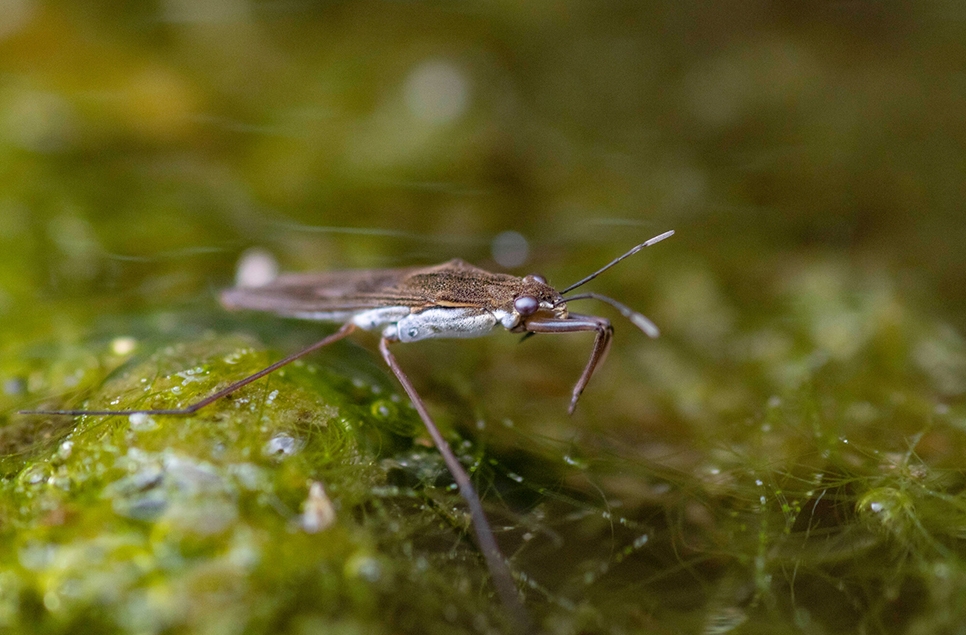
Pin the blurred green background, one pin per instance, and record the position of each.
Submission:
(788, 457)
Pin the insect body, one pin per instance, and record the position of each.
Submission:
(450, 300)
(454, 299)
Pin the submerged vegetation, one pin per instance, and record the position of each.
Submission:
(834, 503)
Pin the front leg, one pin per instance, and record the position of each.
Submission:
(572, 324)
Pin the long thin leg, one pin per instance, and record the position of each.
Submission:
(495, 562)
(573, 324)
(346, 328)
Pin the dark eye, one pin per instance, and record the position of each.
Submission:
(526, 305)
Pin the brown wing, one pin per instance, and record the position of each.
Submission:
(453, 283)
(336, 291)
(458, 283)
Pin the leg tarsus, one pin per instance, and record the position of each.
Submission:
(597, 355)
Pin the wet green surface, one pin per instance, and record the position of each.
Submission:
(790, 455)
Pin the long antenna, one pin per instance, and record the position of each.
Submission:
(630, 253)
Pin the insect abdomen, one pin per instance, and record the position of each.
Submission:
(441, 322)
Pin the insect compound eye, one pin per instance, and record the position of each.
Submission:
(526, 305)
(536, 277)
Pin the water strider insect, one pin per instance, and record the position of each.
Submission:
(451, 300)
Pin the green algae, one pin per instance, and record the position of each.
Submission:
(152, 523)
(815, 486)
(787, 458)
(818, 489)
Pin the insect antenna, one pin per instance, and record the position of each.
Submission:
(638, 319)
(613, 262)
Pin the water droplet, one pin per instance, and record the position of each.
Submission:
(140, 421)
(282, 445)
(123, 345)
(365, 567)
(35, 474)
(437, 91)
(65, 450)
(510, 249)
(383, 409)
(15, 387)
(256, 268)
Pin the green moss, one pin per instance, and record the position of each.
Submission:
(159, 523)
